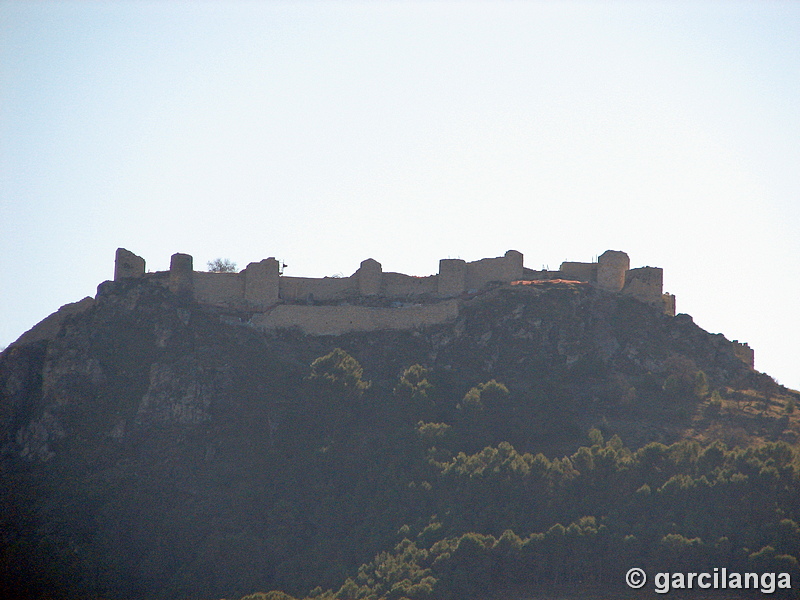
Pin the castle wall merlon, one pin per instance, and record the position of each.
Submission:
(127, 264)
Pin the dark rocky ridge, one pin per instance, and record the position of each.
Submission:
(140, 443)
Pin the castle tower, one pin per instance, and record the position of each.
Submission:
(370, 277)
(611, 268)
(452, 277)
(181, 274)
(127, 264)
(513, 265)
(262, 282)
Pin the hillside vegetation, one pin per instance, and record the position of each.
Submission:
(541, 445)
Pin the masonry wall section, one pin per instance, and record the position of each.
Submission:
(336, 320)
(400, 285)
(218, 288)
(645, 284)
(579, 271)
(327, 288)
(505, 269)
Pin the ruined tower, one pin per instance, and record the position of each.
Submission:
(127, 264)
(370, 275)
(611, 268)
(181, 274)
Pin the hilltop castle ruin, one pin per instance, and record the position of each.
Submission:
(371, 299)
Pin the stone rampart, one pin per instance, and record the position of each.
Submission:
(336, 320)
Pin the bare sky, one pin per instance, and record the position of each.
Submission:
(325, 133)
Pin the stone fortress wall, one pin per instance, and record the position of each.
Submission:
(325, 305)
(612, 273)
(335, 320)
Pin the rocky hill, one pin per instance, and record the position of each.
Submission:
(152, 447)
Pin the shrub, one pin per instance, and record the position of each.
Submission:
(339, 369)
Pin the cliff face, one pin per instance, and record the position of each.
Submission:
(152, 447)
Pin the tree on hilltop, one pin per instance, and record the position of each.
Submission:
(221, 265)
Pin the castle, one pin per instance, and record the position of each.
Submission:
(371, 299)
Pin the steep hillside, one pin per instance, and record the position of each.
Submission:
(154, 448)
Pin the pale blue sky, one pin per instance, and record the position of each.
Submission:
(325, 133)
